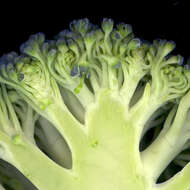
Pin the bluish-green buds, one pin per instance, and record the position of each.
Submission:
(80, 71)
(47, 46)
(90, 39)
(124, 29)
(75, 71)
(162, 48)
(81, 26)
(134, 43)
(107, 25)
(7, 66)
(72, 45)
(32, 46)
(177, 78)
(66, 34)
(28, 75)
(178, 59)
(62, 45)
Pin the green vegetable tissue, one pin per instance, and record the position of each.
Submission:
(95, 108)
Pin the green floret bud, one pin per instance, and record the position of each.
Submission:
(73, 46)
(107, 25)
(65, 34)
(28, 75)
(169, 79)
(61, 45)
(81, 26)
(137, 58)
(124, 29)
(174, 59)
(64, 63)
(90, 38)
(177, 79)
(33, 45)
(32, 75)
(120, 39)
(161, 48)
(134, 43)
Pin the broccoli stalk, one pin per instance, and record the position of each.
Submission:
(98, 92)
(17, 148)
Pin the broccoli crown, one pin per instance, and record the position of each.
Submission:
(87, 58)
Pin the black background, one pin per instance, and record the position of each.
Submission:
(150, 20)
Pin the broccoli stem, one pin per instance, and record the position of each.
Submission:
(85, 96)
(117, 150)
(94, 80)
(7, 111)
(129, 80)
(171, 141)
(41, 171)
(113, 81)
(105, 79)
(29, 123)
(71, 130)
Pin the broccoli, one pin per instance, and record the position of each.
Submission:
(95, 108)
